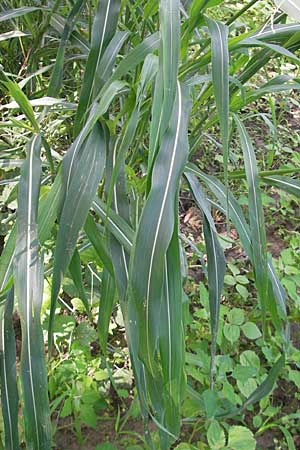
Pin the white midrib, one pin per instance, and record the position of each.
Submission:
(277, 29)
(117, 210)
(28, 280)
(96, 206)
(160, 218)
(284, 182)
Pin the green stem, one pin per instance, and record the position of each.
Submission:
(266, 173)
(241, 12)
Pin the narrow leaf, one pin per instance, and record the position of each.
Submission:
(57, 73)
(104, 26)
(80, 192)
(157, 221)
(220, 78)
(256, 216)
(14, 13)
(29, 290)
(8, 375)
(285, 183)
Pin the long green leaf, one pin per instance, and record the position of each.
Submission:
(75, 271)
(216, 265)
(171, 336)
(8, 375)
(237, 216)
(256, 216)
(108, 59)
(107, 299)
(170, 35)
(29, 289)
(98, 242)
(157, 221)
(220, 78)
(135, 57)
(81, 186)
(57, 73)
(104, 27)
(115, 224)
(16, 92)
(12, 34)
(285, 183)
(14, 13)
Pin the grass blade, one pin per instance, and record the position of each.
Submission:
(216, 266)
(135, 56)
(57, 73)
(171, 337)
(16, 92)
(237, 216)
(29, 289)
(12, 34)
(81, 185)
(170, 35)
(108, 59)
(256, 215)
(121, 207)
(220, 77)
(76, 274)
(8, 375)
(107, 300)
(97, 241)
(157, 221)
(115, 224)
(104, 27)
(285, 183)
(14, 13)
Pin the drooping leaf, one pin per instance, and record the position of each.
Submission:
(237, 216)
(82, 182)
(256, 217)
